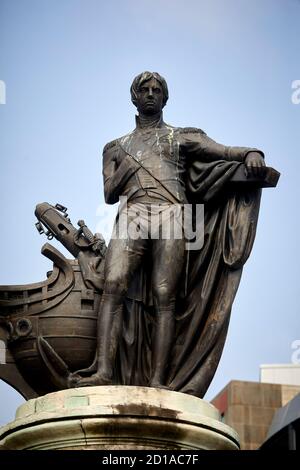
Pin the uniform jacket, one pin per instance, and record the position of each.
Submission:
(164, 153)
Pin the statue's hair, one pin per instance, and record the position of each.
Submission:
(144, 77)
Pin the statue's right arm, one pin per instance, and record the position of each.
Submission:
(117, 170)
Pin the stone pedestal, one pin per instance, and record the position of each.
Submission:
(117, 418)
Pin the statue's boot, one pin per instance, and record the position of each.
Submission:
(109, 332)
(163, 339)
(75, 377)
(89, 370)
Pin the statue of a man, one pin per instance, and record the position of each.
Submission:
(161, 165)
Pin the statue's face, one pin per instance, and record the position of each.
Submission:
(150, 98)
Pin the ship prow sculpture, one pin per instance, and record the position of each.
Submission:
(49, 327)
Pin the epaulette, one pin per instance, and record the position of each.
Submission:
(192, 130)
(110, 145)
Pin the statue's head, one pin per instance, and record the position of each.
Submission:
(149, 93)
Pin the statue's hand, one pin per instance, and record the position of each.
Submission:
(255, 164)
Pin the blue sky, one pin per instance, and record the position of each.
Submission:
(68, 66)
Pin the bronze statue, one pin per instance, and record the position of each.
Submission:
(163, 309)
(158, 164)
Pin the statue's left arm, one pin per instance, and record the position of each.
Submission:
(198, 145)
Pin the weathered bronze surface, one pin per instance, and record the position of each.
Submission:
(155, 312)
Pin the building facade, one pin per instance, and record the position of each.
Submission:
(249, 407)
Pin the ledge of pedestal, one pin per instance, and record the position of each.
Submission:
(117, 418)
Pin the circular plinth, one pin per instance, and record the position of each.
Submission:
(117, 418)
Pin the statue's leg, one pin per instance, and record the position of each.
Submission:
(109, 331)
(122, 259)
(168, 263)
